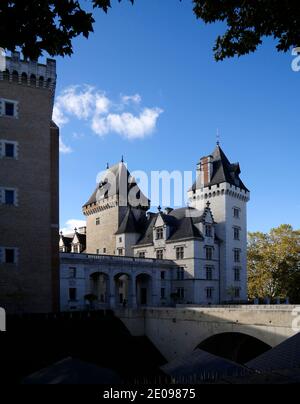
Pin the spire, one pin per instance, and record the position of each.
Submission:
(107, 166)
(159, 208)
(122, 159)
(218, 137)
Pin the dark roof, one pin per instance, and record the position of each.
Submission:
(66, 240)
(129, 223)
(81, 238)
(200, 366)
(116, 181)
(181, 223)
(284, 356)
(73, 371)
(223, 171)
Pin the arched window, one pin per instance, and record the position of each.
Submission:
(41, 81)
(15, 76)
(24, 78)
(6, 75)
(48, 83)
(33, 80)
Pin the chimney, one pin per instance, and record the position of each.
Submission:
(206, 170)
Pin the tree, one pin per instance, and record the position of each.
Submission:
(249, 21)
(274, 263)
(38, 26)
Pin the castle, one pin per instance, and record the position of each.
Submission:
(129, 255)
(126, 254)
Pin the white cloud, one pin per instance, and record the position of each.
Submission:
(135, 99)
(71, 224)
(128, 125)
(64, 149)
(103, 115)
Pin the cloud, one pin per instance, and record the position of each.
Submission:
(71, 224)
(64, 149)
(104, 116)
(135, 99)
(128, 125)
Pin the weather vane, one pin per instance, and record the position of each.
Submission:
(218, 137)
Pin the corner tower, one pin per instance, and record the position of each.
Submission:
(116, 193)
(29, 261)
(218, 181)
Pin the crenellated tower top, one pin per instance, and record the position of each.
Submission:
(29, 72)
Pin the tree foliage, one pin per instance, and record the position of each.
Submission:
(274, 263)
(250, 21)
(38, 26)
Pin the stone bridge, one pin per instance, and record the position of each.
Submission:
(178, 331)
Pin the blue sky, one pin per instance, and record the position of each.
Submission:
(159, 51)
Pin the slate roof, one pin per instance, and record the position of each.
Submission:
(284, 356)
(129, 224)
(116, 181)
(203, 366)
(223, 171)
(181, 223)
(73, 371)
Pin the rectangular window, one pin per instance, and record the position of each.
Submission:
(163, 275)
(120, 239)
(209, 273)
(159, 233)
(208, 231)
(97, 251)
(97, 221)
(237, 274)
(9, 150)
(104, 250)
(142, 254)
(9, 197)
(209, 293)
(237, 255)
(72, 272)
(180, 274)
(236, 213)
(10, 256)
(160, 254)
(9, 108)
(179, 253)
(72, 294)
(208, 253)
(236, 233)
(180, 293)
(237, 293)
(162, 293)
(120, 251)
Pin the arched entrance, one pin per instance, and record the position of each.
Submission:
(99, 287)
(144, 290)
(238, 347)
(123, 290)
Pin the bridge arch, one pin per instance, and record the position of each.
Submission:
(236, 346)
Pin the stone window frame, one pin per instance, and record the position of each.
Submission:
(3, 101)
(2, 196)
(4, 142)
(209, 292)
(3, 253)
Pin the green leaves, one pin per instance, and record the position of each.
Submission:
(249, 21)
(38, 26)
(274, 263)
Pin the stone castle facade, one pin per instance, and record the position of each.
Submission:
(129, 255)
(29, 260)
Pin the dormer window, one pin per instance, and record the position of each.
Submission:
(208, 230)
(159, 233)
